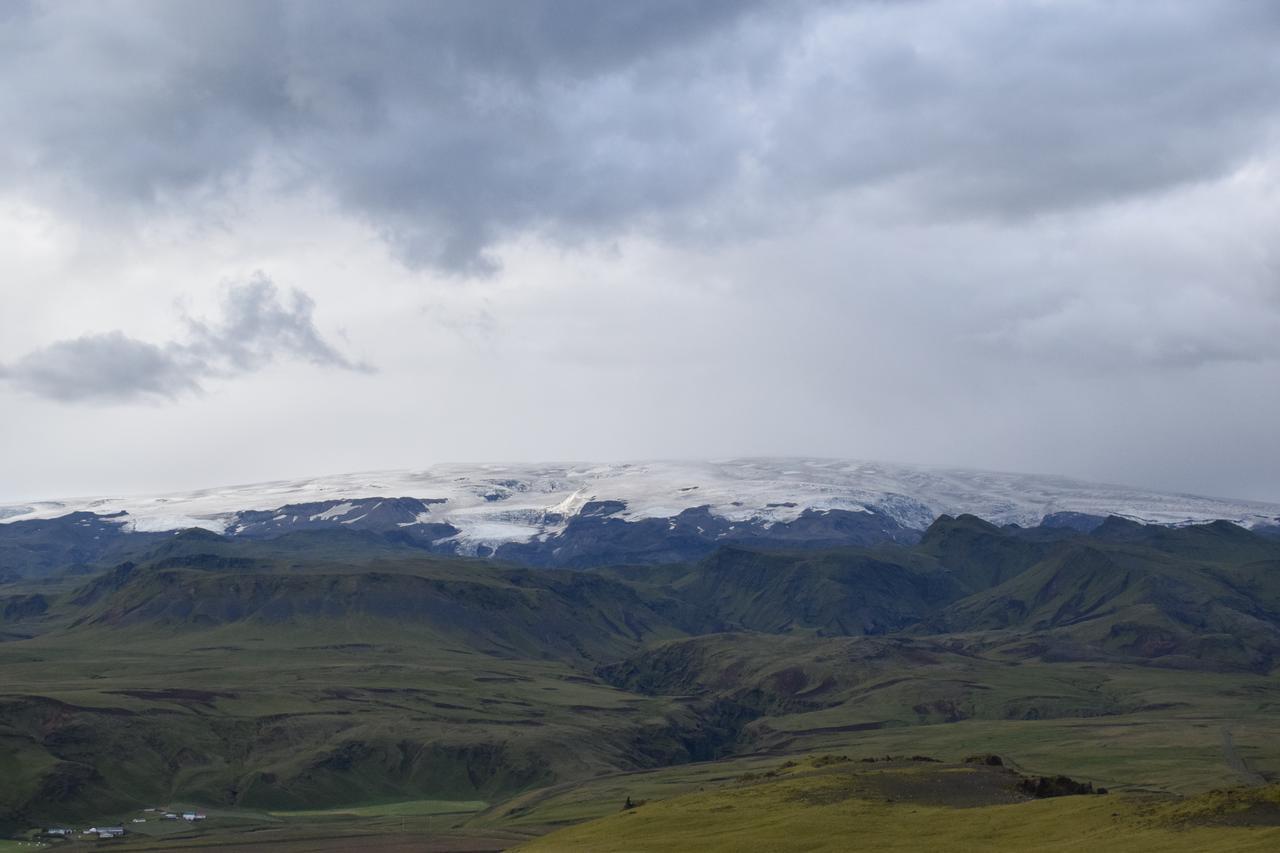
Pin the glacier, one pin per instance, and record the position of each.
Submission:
(492, 504)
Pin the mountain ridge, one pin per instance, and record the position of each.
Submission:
(478, 509)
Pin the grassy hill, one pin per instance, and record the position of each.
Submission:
(928, 806)
(1107, 600)
(333, 672)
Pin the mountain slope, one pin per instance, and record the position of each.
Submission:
(1171, 596)
(585, 514)
(840, 592)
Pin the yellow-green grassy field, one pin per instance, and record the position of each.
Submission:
(826, 813)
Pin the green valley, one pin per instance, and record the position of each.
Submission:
(296, 689)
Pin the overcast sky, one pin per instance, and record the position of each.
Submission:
(242, 241)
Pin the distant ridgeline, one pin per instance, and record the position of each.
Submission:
(596, 534)
(587, 515)
(1082, 586)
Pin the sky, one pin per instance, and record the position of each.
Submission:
(242, 241)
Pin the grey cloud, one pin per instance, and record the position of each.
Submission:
(450, 127)
(255, 329)
(445, 125)
(1141, 326)
(109, 366)
(1017, 109)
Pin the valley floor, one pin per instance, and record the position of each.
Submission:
(308, 699)
(808, 803)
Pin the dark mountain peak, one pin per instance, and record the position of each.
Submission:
(76, 517)
(193, 540)
(1117, 529)
(197, 534)
(77, 542)
(601, 509)
(104, 584)
(964, 531)
(1218, 541)
(948, 525)
(973, 521)
(1227, 528)
(1081, 522)
(978, 553)
(373, 513)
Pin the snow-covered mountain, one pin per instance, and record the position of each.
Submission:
(482, 507)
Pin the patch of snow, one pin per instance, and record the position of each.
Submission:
(333, 512)
(738, 490)
(162, 523)
(571, 505)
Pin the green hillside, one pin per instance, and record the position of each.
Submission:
(924, 807)
(310, 675)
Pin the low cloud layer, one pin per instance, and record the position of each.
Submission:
(254, 330)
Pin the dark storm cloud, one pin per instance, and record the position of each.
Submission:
(449, 127)
(255, 329)
(445, 125)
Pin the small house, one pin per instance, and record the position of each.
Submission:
(110, 831)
